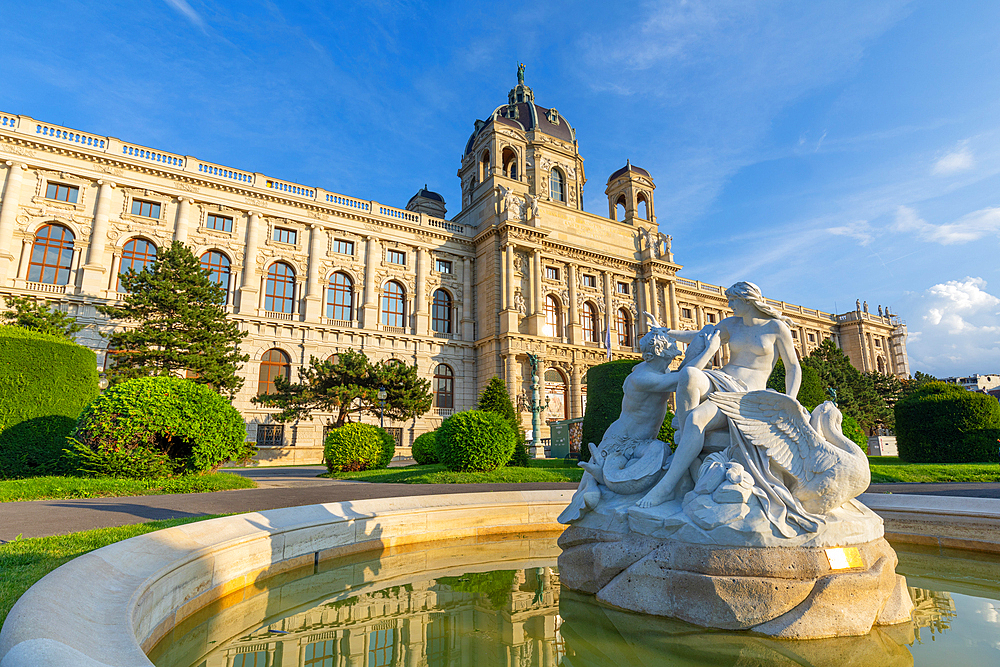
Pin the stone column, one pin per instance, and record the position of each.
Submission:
(8, 216)
(22, 271)
(94, 278)
(576, 392)
(249, 298)
(183, 219)
(369, 318)
(536, 324)
(314, 290)
(421, 319)
(654, 303)
(510, 371)
(609, 312)
(575, 332)
(674, 318)
(642, 305)
(468, 322)
(511, 278)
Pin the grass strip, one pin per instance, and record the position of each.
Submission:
(23, 562)
(59, 488)
(887, 469)
(438, 474)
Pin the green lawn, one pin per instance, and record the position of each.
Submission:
(891, 469)
(437, 474)
(57, 488)
(23, 562)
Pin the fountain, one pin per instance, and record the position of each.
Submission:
(752, 523)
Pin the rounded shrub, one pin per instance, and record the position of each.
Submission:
(944, 423)
(423, 450)
(495, 398)
(475, 440)
(45, 381)
(357, 446)
(152, 426)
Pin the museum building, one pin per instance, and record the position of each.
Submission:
(521, 269)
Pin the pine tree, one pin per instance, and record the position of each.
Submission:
(495, 398)
(856, 393)
(180, 324)
(29, 314)
(350, 386)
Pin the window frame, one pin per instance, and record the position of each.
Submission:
(552, 273)
(686, 314)
(623, 327)
(557, 177)
(623, 288)
(445, 309)
(391, 254)
(589, 313)
(211, 220)
(73, 190)
(271, 295)
(447, 263)
(52, 246)
(290, 233)
(385, 299)
(553, 317)
(340, 297)
(217, 271)
(340, 247)
(589, 280)
(444, 387)
(140, 203)
(146, 257)
(283, 364)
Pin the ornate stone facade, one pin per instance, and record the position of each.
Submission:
(522, 241)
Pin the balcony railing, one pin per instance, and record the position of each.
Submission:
(45, 287)
(278, 316)
(396, 330)
(347, 324)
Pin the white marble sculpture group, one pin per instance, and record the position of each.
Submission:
(752, 473)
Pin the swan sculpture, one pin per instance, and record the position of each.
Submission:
(826, 468)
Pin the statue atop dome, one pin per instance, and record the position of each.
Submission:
(520, 74)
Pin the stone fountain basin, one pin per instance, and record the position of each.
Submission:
(109, 606)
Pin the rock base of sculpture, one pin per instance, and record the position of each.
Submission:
(790, 592)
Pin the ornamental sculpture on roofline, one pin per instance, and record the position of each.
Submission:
(751, 523)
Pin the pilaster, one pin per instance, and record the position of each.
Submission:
(369, 310)
(574, 331)
(536, 321)
(420, 315)
(95, 279)
(250, 300)
(8, 216)
(509, 315)
(183, 219)
(468, 324)
(314, 291)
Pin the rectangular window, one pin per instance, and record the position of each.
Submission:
(146, 209)
(711, 318)
(221, 223)
(622, 288)
(343, 247)
(552, 273)
(686, 313)
(878, 343)
(285, 235)
(795, 334)
(270, 435)
(443, 266)
(589, 281)
(396, 257)
(62, 192)
(812, 338)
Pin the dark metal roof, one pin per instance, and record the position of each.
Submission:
(426, 194)
(528, 117)
(629, 167)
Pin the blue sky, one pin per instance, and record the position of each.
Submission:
(828, 151)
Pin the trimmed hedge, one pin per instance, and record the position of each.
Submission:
(944, 423)
(604, 400)
(475, 440)
(424, 452)
(811, 390)
(853, 431)
(133, 425)
(357, 446)
(45, 382)
(496, 398)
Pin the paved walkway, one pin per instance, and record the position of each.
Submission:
(291, 487)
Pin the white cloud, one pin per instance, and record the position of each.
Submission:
(860, 230)
(969, 227)
(960, 329)
(187, 11)
(959, 159)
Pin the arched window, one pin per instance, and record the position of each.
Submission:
(881, 365)
(441, 312)
(444, 386)
(218, 264)
(272, 364)
(393, 305)
(510, 163)
(51, 255)
(279, 291)
(642, 207)
(484, 166)
(620, 209)
(137, 255)
(557, 185)
(340, 297)
(552, 327)
(555, 394)
(588, 320)
(623, 324)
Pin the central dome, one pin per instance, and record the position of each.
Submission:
(522, 113)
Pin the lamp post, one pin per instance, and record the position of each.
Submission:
(381, 406)
(536, 403)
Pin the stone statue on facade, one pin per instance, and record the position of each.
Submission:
(757, 499)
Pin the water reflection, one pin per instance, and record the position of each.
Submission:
(399, 611)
